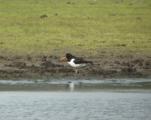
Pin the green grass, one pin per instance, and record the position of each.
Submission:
(88, 26)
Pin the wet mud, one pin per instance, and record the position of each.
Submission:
(45, 67)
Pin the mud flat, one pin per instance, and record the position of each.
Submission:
(45, 67)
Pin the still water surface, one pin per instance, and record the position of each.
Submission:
(99, 105)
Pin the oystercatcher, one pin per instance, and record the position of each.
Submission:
(75, 62)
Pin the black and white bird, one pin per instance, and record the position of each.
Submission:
(75, 62)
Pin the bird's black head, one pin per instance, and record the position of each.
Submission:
(69, 56)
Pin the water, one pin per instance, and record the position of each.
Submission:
(114, 99)
(100, 105)
(63, 85)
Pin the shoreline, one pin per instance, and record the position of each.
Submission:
(49, 67)
(79, 85)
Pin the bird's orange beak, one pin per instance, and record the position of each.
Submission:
(63, 59)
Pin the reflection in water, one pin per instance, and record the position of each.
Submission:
(74, 84)
(75, 106)
(71, 86)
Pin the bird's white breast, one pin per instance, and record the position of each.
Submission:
(71, 62)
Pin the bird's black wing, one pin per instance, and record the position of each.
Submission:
(81, 61)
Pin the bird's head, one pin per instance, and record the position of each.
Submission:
(67, 57)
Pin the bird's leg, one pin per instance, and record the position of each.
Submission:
(76, 71)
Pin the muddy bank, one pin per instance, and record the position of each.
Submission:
(46, 67)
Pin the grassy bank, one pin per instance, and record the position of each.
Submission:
(35, 33)
(33, 27)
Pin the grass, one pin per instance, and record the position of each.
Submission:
(34, 27)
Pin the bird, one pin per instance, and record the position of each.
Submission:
(75, 62)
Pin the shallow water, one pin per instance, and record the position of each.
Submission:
(100, 105)
(79, 85)
(112, 99)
